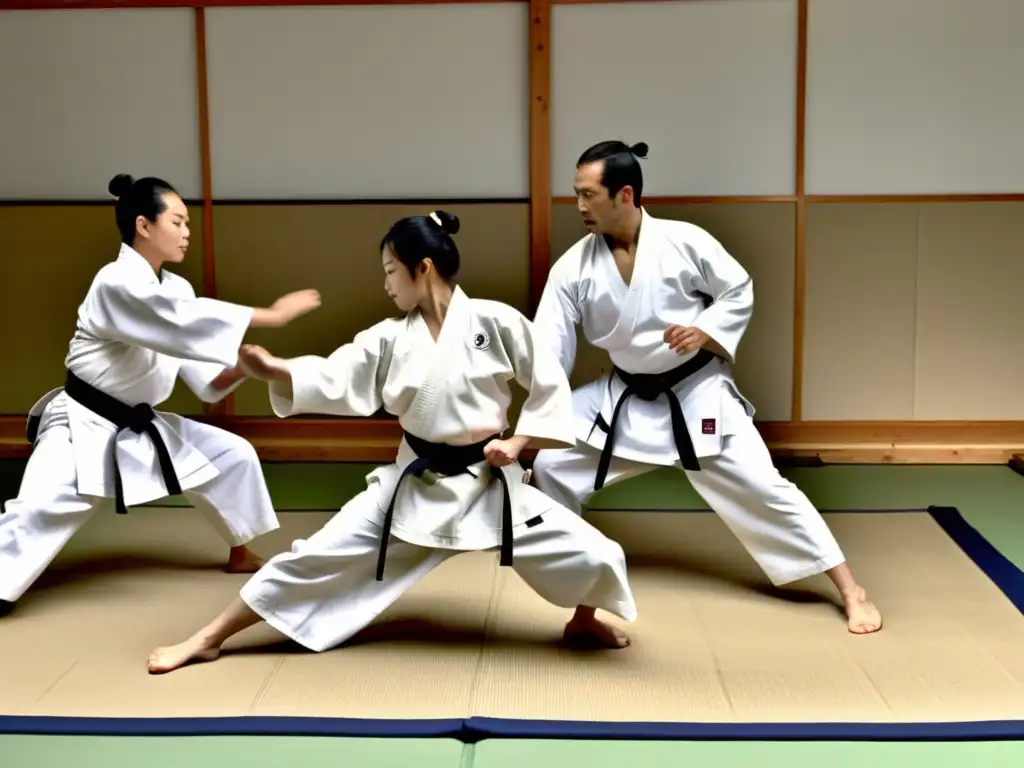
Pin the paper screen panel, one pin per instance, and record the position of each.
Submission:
(90, 94)
(915, 96)
(369, 102)
(710, 86)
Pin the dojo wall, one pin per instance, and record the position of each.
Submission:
(860, 157)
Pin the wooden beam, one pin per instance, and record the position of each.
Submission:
(224, 407)
(800, 220)
(697, 199)
(206, 165)
(12, 426)
(940, 197)
(872, 442)
(71, 5)
(78, 4)
(540, 148)
(607, 2)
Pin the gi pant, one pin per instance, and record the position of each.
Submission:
(324, 590)
(772, 518)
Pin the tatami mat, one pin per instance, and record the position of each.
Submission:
(472, 649)
(715, 644)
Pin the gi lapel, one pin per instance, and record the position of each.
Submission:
(645, 261)
(445, 357)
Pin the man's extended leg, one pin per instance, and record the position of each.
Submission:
(774, 519)
(567, 475)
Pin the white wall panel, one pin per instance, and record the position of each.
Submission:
(915, 96)
(710, 85)
(85, 95)
(369, 102)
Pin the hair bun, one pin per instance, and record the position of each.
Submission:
(639, 149)
(449, 222)
(120, 185)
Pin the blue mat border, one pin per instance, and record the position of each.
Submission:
(1002, 572)
(476, 729)
(993, 563)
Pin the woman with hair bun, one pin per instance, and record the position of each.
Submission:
(99, 438)
(444, 370)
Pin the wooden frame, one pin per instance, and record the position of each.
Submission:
(840, 442)
(375, 440)
(540, 147)
(224, 407)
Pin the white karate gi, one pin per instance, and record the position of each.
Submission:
(682, 276)
(453, 391)
(135, 334)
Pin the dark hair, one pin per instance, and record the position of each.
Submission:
(621, 168)
(144, 197)
(416, 238)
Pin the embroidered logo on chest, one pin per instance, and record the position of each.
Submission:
(707, 426)
(480, 340)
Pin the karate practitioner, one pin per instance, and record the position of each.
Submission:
(670, 305)
(98, 438)
(444, 369)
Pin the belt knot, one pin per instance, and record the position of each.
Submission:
(140, 416)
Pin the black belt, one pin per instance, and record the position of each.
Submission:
(650, 386)
(137, 418)
(447, 460)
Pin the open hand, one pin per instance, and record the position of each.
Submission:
(260, 364)
(501, 453)
(294, 305)
(685, 339)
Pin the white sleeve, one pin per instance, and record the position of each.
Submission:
(199, 376)
(731, 291)
(558, 313)
(347, 383)
(547, 415)
(167, 319)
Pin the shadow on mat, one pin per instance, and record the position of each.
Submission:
(414, 631)
(421, 634)
(422, 624)
(94, 569)
(717, 574)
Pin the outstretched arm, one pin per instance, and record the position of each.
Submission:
(211, 382)
(182, 325)
(347, 383)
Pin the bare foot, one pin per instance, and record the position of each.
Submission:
(194, 650)
(863, 617)
(586, 630)
(241, 560)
